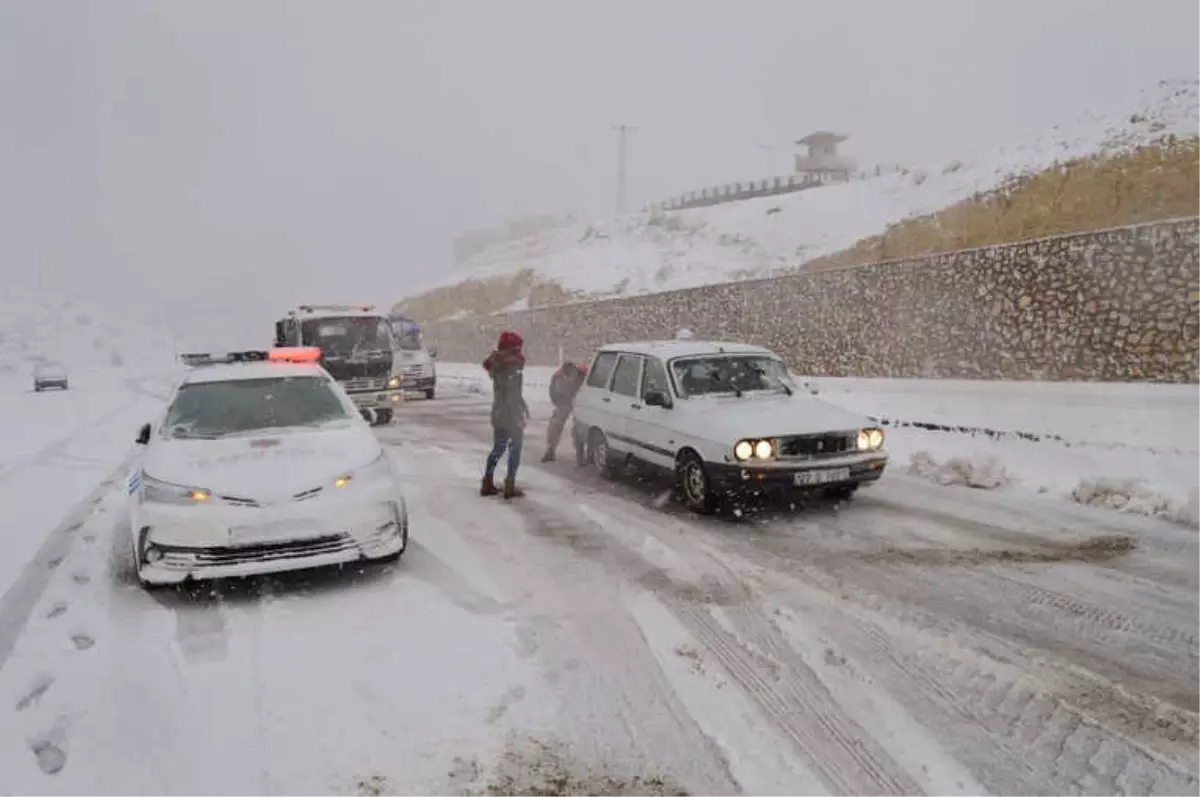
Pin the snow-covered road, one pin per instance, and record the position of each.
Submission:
(595, 637)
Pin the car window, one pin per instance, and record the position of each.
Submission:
(602, 369)
(654, 376)
(698, 376)
(627, 375)
(216, 409)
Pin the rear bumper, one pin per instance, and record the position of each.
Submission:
(373, 535)
(732, 478)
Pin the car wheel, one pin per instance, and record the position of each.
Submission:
(429, 393)
(391, 557)
(695, 488)
(601, 454)
(383, 417)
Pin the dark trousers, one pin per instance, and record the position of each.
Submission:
(510, 440)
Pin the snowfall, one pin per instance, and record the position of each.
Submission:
(1012, 609)
(648, 253)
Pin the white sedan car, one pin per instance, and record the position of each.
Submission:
(724, 418)
(261, 463)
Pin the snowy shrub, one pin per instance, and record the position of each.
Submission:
(983, 473)
(919, 176)
(952, 167)
(115, 359)
(1133, 496)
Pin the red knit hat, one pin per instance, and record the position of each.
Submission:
(510, 340)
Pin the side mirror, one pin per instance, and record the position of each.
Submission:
(657, 398)
(143, 435)
(433, 353)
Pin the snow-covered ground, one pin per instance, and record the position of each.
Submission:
(1046, 438)
(593, 639)
(645, 253)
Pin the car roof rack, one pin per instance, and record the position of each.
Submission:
(336, 308)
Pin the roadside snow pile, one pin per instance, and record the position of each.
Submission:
(652, 252)
(1133, 496)
(982, 472)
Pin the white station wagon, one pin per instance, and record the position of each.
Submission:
(725, 418)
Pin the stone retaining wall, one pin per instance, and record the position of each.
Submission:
(1115, 305)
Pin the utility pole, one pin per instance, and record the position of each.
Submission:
(768, 152)
(621, 161)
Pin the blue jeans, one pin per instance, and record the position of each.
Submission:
(505, 439)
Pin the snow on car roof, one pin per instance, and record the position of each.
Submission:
(668, 349)
(234, 372)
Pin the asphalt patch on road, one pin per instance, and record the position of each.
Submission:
(531, 766)
(1094, 549)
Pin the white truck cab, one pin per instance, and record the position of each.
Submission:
(415, 361)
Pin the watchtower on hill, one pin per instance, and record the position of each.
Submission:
(822, 163)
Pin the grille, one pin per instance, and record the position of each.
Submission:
(368, 383)
(262, 552)
(304, 496)
(239, 501)
(816, 446)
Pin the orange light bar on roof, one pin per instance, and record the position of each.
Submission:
(294, 354)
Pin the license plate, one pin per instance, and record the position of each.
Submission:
(276, 531)
(808, 478)
(364, 401)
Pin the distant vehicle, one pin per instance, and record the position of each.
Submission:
(49, 374)
(357, 349)
(417, 369)
(260, 463)
(724, 418)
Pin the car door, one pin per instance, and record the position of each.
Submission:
(622, 399)
(649, 425)
(593, 404)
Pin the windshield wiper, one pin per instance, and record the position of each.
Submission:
(715, 376)
(758, 370)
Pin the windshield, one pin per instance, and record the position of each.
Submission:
(217, 409)
(349, 335)
(699, 376)
(408, 335)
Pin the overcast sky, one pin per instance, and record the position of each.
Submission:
(161, 154)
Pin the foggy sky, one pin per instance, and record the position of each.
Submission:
(172, 154)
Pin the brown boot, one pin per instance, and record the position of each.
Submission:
(511, 490)
(488, 487)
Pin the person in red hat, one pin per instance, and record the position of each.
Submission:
(506, 366)
(564, 387)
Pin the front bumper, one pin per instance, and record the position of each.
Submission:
(378, 399)
(199, 548)
(782, 476)
(415, 384)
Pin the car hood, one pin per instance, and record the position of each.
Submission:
(263, 467)
(729, 418)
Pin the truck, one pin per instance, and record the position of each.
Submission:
(416, 369)
(358, 350)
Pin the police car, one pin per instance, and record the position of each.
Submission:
(260, 463)
(724, 418)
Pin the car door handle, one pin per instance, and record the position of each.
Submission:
(635, 406)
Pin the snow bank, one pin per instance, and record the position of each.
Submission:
(650, 252)
(983, 472)
(1132, 495)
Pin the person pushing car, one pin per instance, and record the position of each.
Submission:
(564, 387)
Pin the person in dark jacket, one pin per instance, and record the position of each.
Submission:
(564, 387)
(506, 366)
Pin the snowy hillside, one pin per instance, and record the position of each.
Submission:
(37, 326)
(651, 252)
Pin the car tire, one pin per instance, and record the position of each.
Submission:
(694, 485)
(600, 454)
(392, 557)
(429, 394)
(383, 417)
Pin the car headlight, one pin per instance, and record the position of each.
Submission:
(870, 439)
(156, 491)
(393, 383)
(378, 469)
(754, 449)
